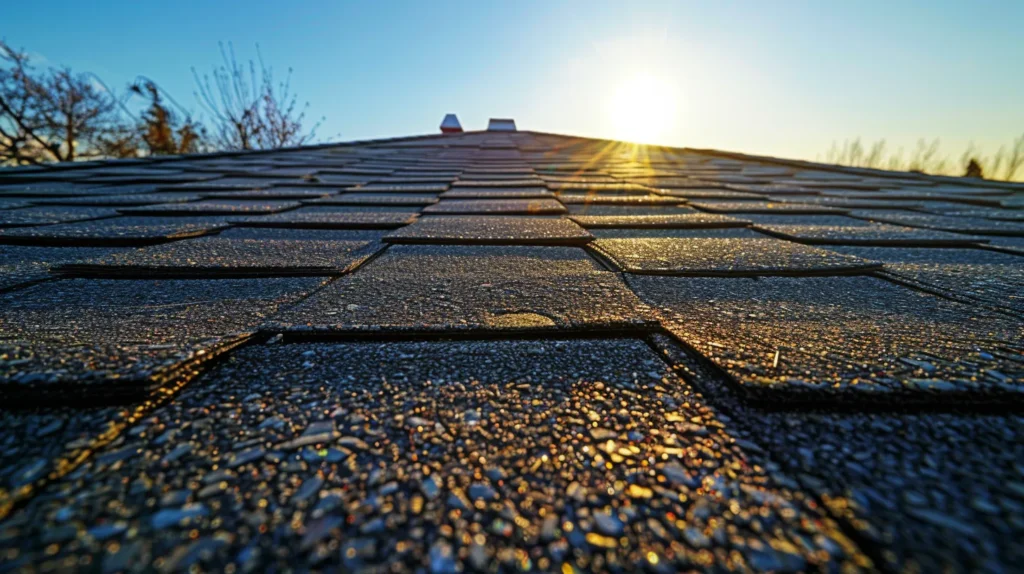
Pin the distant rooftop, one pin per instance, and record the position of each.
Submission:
(502, 349)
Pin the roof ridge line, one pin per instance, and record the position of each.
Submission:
(1012, 185)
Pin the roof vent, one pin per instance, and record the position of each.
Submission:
(450, 124)
(501, 125)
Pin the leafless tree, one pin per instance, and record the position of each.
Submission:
(248, 109)
(1005, 164)
(54, 114)
(1014, 159)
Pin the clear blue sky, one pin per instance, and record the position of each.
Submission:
(784, 78)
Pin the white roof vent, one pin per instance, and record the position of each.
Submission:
(450, 124)
(501, 125)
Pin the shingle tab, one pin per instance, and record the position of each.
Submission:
(842, 338)
(296, 193)
(878, 234)
(47, 215)
(496, 207)
(605, 199)
(228, 257)
(22, 264)
(680, 221)
(114, 232)
(765, 207)
(493, 230)
(991, 278)
(626, 209)
(353, 198)
(82, 336)
(727, 257)
(331, 220)
(972, 225)
(120, 200)
(458, 288)
(212, 207)
(498, 193)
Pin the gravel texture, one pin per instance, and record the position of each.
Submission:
(86, 332)
(877, 234)
(24, 264)
(992, 278)
(224, 256)
(437, 457)
(973, 225)
(384, 199)
(470, 288)
(681, 221)
(50, 214)
(726, 257)
(213, 207)
(300, 368)
(628, 210)
(332, 220)
(765, 207)
(843, 338)
(496, 207)
(511, 230)
(921, 491)
(498, 193)
(114, 232)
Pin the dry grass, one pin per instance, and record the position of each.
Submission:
(1006, 164)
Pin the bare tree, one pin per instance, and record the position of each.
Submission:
(54, 114)
(1005, 164)
(248, 109)
(1015, 159)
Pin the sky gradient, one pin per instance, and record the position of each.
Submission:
(777, 78)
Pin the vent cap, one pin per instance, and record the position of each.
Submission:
(501, 125)
(450, 124)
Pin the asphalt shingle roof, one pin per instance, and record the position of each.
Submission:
(508, 351)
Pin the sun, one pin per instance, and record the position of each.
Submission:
(642, 109)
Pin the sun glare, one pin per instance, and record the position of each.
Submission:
(642, 109)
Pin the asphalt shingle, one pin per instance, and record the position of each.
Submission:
(492, 230)
(842, 338)
(212, 207)
(229, 257)
(361, 455)
(114, 232)
(404, 406)
(712, 257)
(496, 207)
(50, 214)
(459, 288)
(81, 337)
(877, 234)
(675, 221)
(332, 220)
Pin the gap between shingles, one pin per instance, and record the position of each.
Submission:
(722, 396)
(174, 382)
(943, 294)
(670, 346)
